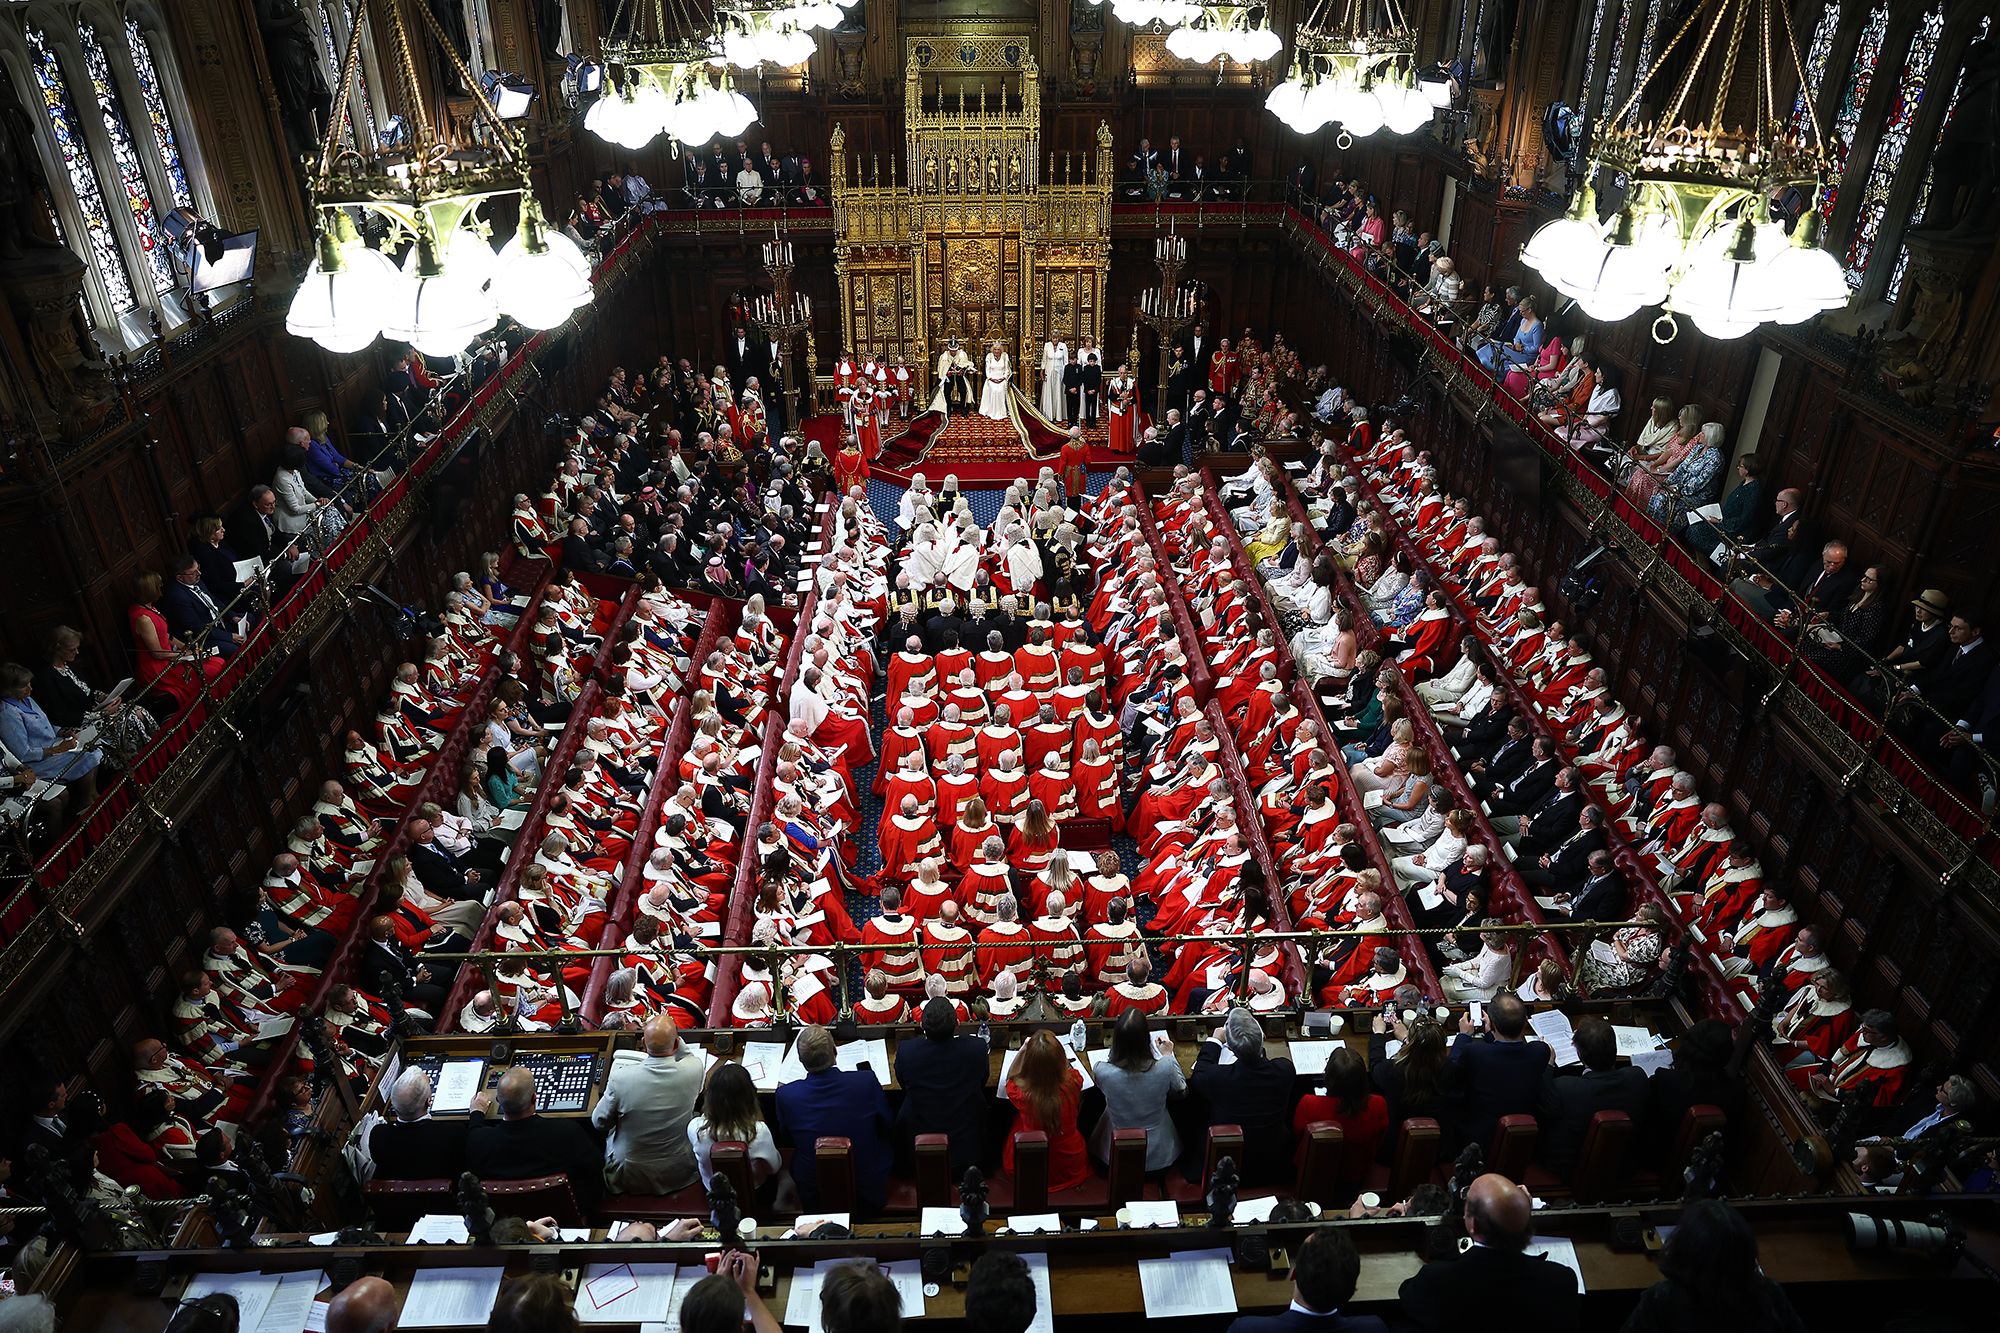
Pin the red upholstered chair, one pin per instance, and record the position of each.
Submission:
(1414, 1157)
(835, 1163)
(1223, 1141)
(1697, 1123)
(1128, 1166)
(1317, 1160)
(541, 1196)
(1600, 1165)
(731, 1160)
(935, 1187)
(1512, 1150)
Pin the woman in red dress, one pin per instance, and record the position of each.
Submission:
(160, 660)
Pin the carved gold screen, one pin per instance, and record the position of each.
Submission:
(972, 234)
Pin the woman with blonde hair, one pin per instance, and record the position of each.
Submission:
(1386, 770)
(1045, 1092)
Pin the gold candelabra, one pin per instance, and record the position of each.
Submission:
(1165, 309)
(783, 315)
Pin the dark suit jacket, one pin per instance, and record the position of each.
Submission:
(380, 958)
(63, 702)
(944, 1092)
(1506, 760)
(1569, 860)
(847, 1104)
(1487, 731)
(1291, 1321)
(538, 1145)
(1494, 1292)
(246, 535)
(1520, 795)
(1256, 1094)
(1499, 1078)
(1953, 685)
(1552, 819)
(1606, 899)
(218, 568)
(438, 872)
(1570, 1100)
(187, 617)
(425, 1150)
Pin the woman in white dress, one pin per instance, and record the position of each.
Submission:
(993, 398)
(1055, 360)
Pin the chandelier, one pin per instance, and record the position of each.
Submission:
(1353, 72)
(429, 196)
(1225, 32)
(755, 33)
(1696, 230)
(1145, 13)
(664, 79)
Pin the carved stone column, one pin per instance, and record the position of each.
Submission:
(62, 379)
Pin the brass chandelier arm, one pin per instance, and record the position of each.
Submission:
(350, 71)
(1729, 58)
(507, 144)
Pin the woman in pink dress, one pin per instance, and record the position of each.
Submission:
(1372, 232)
(1547, 366)
(1642, 483)
(160, 662)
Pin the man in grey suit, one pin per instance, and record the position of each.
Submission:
(644, 1114)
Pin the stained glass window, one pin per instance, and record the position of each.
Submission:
(125, 156)
(156, 112)
(1645, 61)
(1610, 105)
(1930, 168)
(1853, 96)
(1818, 56)
(1589, 90)
(75, 154)
(1889, 149)
(334, 40)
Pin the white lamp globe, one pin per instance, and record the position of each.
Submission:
(540, 290)
(1725, 298)
(340, 306)
(1361, 113)
(1556, 243)
(603, 114)
(1322, 103)
(1287, 102)
(1805, 278)
(1612, 281)
(437, 311)
(730, 111)
(1407, 110)
(1261, 44)
(465, 252)
(1189, 44)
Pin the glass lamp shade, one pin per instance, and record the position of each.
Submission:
(1259, 44)
(604, 115)
(1287, 102)
(465, 253)
(1359, 111)
(540, 290)
(790, 46)
(1405, 109)
(1724, 297)
(1196, 45)
(1556, 243)
(1322, 101)
(730, 112)
(439, 314)
(1611, 282)
(1805, 280)
(342, 309)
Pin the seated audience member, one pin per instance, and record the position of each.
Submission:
(726, 1301)
(1138, 1078)
(1420, 1079)
(835, 1103)
(521, 1145)
(1324, 1275)
(1046, 1093)
(412, 1145)
(644, 1113)
(1254, 1092)
(1362, 1114)
(1709, 1279)
(32, 740)
(857, 1298)
(1500, 1071)
(999, 1294)
(943, 1077)
(1494, 1286)
(365, 1305)
(729, 1114)
(1570, 1100)
(534, 1303)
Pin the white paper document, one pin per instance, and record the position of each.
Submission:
(1553, 1026)
(802, 1303)
(625, 1293)
(1024, 1224)
(874, 1052)
(450, 1297)
(509, 819)
(438, 1229)
(1559, 1250)
(253, 1292)
(1430, 896)
(457, 1084)
(1309, 1057)
(273, 1029)
(1045, 1301)
(762, 1061)
(941, 1222)
(1254, 1210)
(1007, 1066)
(1633, 1041)
(291, 1305)
(1152, 1213)
(1652, 1062)
(1195, 1282)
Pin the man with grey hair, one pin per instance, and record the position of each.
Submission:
(413, 1145)
(1955, 1099)
(1254, 1092)
(835, 1103)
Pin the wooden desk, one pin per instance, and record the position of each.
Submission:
(1093, 1274)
